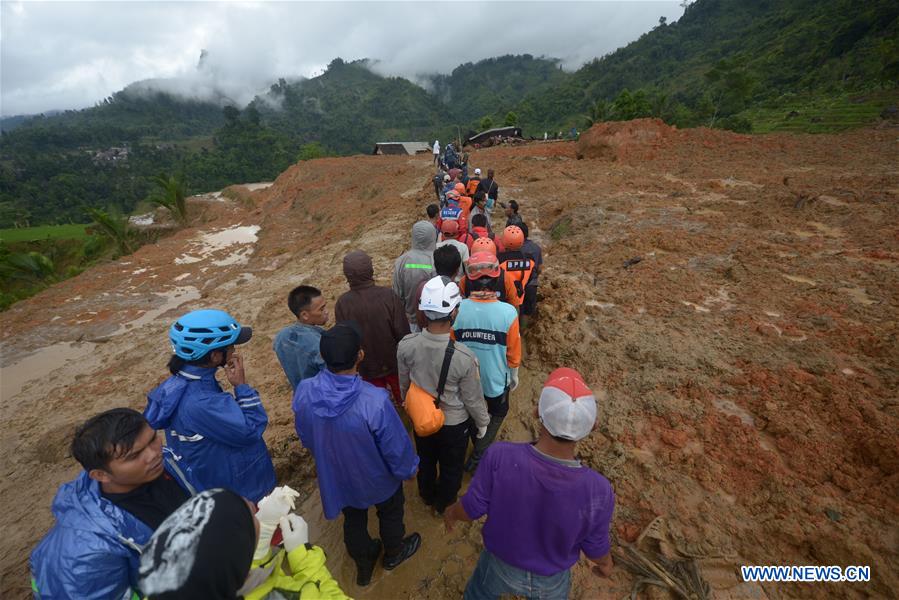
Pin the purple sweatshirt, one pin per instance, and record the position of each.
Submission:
(541, 512)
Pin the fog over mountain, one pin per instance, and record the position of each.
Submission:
(70, 55)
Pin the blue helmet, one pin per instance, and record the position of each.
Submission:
(200, 331)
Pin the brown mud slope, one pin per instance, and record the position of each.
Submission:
(734, 299)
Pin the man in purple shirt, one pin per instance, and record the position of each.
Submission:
(543, 507)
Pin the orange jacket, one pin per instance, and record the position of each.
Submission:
(509, 289)
(519, 268)
(472, 186)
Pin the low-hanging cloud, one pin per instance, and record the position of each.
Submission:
(71, 55)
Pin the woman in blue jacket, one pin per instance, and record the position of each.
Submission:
(217, 435)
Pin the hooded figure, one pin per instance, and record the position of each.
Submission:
(361, 449)
(415, 266)
(381, 316)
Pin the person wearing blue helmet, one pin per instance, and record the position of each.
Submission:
(218, 435)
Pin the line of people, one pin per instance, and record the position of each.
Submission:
(439, 352)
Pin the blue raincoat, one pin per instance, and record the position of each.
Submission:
(93, 550)
(217, 437)
(362, 451)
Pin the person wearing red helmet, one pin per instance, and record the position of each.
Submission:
(481, 229)
(450, 237)
(517, 485)
(514, 261)
(490, 329)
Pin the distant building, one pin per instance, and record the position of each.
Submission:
(500, 132)
(113, 155)
(410, 148)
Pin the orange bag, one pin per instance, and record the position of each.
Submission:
(423, 408)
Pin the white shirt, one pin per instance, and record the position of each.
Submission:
(437, 147)
(463, 252)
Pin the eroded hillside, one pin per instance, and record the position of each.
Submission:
(733, 299)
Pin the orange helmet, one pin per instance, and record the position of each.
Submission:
(513, 237)
(459, 187)
(483, 244)
(450, 228)
(481, 264)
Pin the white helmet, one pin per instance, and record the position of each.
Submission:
(477, 171)
(439, 297)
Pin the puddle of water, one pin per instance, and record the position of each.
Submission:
(799, 279)
(218, 240)
(241, 257)
(13, 377)
(141, 220)
(729, 408)
(173, 298)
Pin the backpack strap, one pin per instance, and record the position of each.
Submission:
(444, 370)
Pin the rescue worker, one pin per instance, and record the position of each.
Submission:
(465, 202)
(472, 185)
(216, 434)
(421, 358)
(128, 485)
(481, 229)
(490, 329)
(513, 260)
(414, 266)
(533, 251)
(503, 286)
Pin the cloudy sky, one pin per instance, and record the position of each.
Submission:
(60, 55)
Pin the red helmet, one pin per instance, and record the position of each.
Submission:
(513, 237)
(449, 227)
(481, 264)
(483, 244)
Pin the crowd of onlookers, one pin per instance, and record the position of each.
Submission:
(413, 381)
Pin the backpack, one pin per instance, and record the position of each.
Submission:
(423, 408)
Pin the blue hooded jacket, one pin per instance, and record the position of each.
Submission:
(217, 437)
(93, 550)
(362, 451)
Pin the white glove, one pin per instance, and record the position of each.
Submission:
(482, 431)
(295, 531)
(277, 504)
(514, 383)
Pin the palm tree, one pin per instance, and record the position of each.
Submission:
(170, 194)
(27, 266)
(599, 112)
(114, 227)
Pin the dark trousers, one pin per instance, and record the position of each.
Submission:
(446, 450)
(498, 407)
(359, 544)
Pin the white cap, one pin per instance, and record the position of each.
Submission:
(477, 171)
(567, 407)
(439, 297)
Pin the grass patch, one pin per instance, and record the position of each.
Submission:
(560, 229)
(43, 232)
(804, 114)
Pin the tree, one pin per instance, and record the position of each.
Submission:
(29, 267)
(729, 86)
(486, 123)
(511, 119)
(252, 115)
(663, 20)
(231, 115)
(114, 227)
(598, 112)
(170, 194)
(311, 150)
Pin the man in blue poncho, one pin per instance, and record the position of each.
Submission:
(361, 449)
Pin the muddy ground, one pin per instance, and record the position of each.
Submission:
(732, 299)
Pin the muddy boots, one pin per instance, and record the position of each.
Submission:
(410, 546)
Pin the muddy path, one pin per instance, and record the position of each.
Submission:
(733, 299)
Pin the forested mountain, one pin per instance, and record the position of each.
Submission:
(724, 63)
(722, 56)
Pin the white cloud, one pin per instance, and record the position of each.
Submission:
(72, 54)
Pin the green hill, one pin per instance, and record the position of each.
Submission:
(723, 56)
